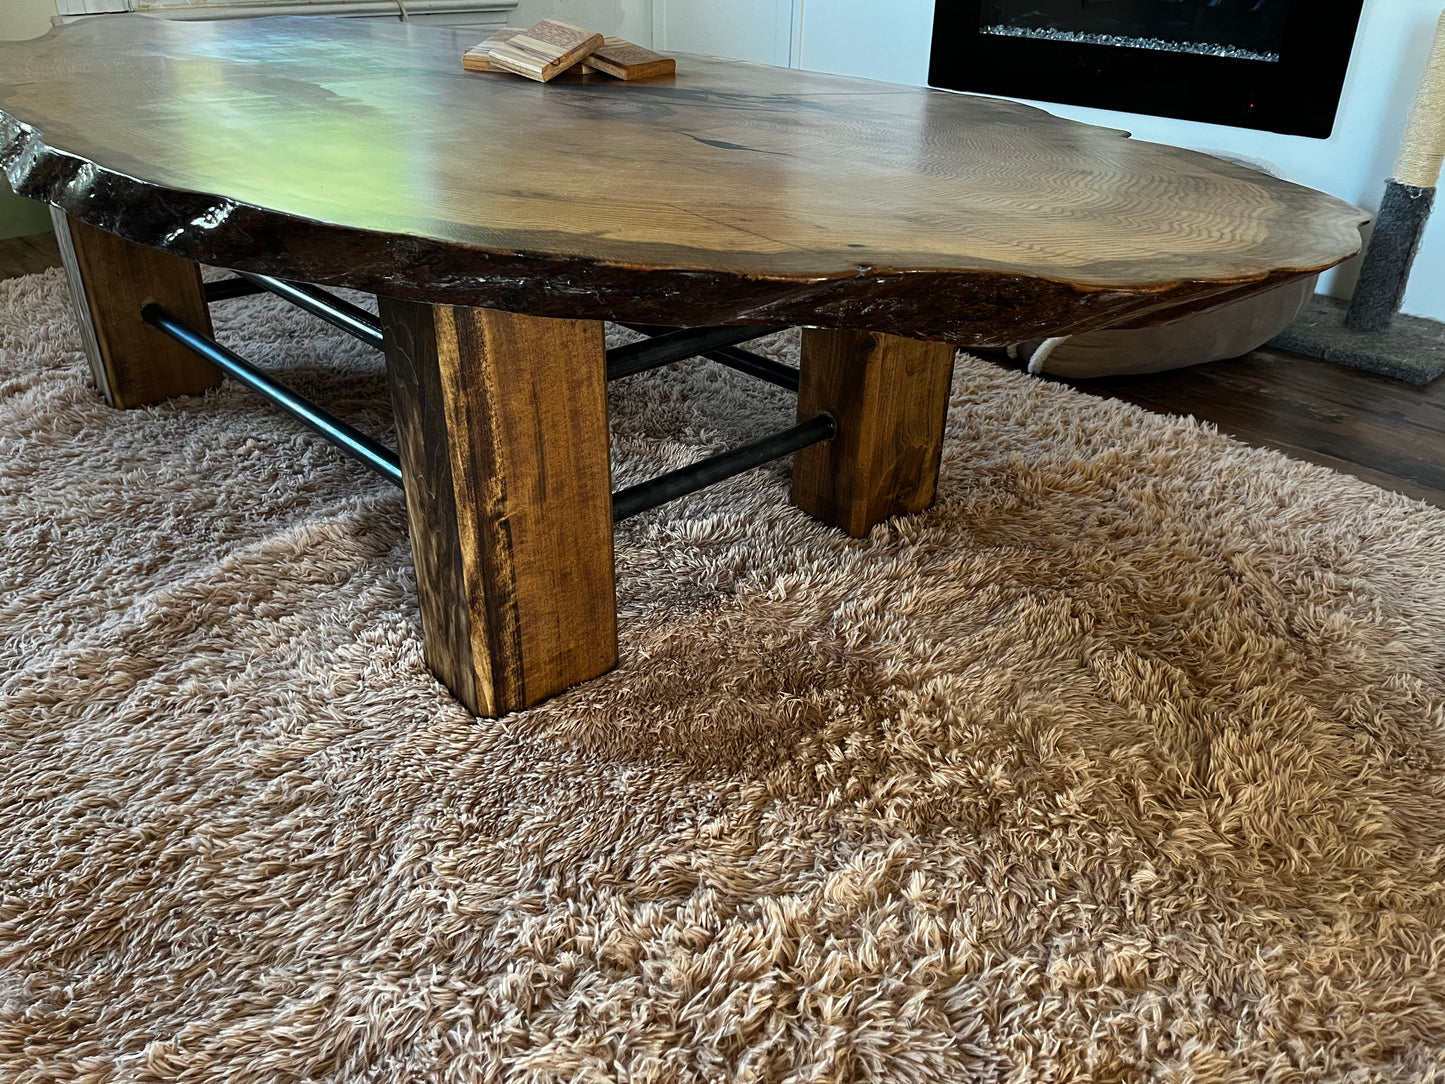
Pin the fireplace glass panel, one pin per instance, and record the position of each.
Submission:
(1275, 65)
(1240, 29)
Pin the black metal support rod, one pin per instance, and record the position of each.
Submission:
(744, 361)
(625, 502)
(225, 289)
(667, 487)
(334, 310)
(638, 357)
(353, 442)
(764, 368)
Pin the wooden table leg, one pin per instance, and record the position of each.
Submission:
(889, 396)
(502, 431)
(110, 280)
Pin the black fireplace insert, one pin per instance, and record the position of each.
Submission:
(1275, 65)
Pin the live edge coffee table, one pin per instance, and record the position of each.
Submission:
(500, 221)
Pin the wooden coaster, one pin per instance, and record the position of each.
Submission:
(544, 51)
(622, 59)
(476, 59)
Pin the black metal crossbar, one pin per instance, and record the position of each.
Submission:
(336, 311)
(756, 365)
(675, 345)
(665, 344)
(668, 346)
(678, 483)
(225, 289)
(351, 441)
(744, 361)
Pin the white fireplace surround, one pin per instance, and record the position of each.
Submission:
(443, 12)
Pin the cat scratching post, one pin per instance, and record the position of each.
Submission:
(1409, 196)
(1368, 332)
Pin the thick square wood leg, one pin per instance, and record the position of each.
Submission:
(111, 279)
(502, 430)
(889, 396)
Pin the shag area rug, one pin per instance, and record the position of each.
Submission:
(1122, 764)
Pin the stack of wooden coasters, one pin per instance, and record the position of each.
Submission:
(550, 48)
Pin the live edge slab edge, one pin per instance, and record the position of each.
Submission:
(359, 153)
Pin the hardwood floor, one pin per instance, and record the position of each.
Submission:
(1384, 431)
(27, 255)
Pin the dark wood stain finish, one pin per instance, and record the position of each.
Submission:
(358, 152)
(425, 453)
(502, 427)
(1257, 398)
(133, 363)
(889, 397)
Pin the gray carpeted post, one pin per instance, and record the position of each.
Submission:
(1393, 245)
(1409, 196)
(1368, 332)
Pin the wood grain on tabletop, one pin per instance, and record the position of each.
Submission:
(357, 152)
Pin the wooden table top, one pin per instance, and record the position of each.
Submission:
(358, 152)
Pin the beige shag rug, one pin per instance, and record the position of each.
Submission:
(1122, 764)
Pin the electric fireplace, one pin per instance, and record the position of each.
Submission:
(1275, 65)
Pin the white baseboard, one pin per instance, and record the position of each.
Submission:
(437, 12)
(90, 7)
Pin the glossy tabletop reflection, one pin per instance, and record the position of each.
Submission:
(358, 152)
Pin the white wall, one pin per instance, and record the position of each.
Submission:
(891, 41)
(848, 37)
(762, 30)
(22, 19)
(630, 19)
(25, 18)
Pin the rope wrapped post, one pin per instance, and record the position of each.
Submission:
(1409, 197)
